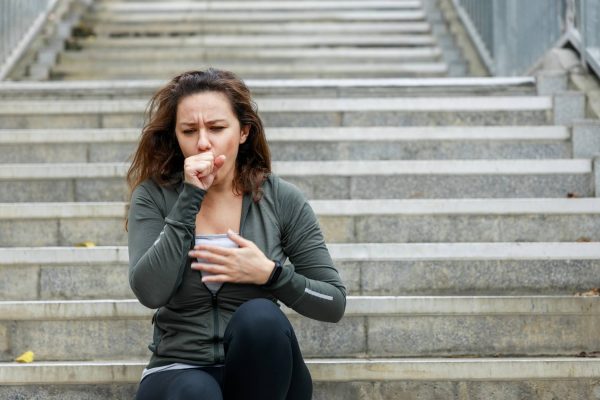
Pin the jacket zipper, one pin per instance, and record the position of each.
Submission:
(215, 305)
(215, 310)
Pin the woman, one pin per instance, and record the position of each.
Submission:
(209, 230)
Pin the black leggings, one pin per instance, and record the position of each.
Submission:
(262, 361)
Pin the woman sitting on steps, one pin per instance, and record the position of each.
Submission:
(209, 229)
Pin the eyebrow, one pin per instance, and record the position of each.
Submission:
(208, 122)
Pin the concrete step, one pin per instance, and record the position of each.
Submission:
(496, 110)
(370, 269)
(194, 1)
(342, 221)
(259, 41)
(258, 16)
(379, 326)
(180, 2)
(266, 55)
(329, 179)
(263, 5)
(188, 28)
(266, 88)
(251, 70)
(308, 144)
(340, 379)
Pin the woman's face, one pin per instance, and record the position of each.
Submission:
(206, 122)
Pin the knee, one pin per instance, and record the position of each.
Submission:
(207, 391)
(260, 320)
(179, 385)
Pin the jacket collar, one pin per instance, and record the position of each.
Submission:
(177, 182)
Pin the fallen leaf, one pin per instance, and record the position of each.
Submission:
(86, 244)
(26, 357)
(589, 293)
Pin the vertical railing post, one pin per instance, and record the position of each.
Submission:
(512, 35)
(579, 15)
(498, 36)
(20, 21)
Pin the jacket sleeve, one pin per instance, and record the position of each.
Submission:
(312, 286)
(158, 247)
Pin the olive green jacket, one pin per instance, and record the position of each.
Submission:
(190, 321)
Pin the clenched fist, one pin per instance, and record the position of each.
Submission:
(200, 169)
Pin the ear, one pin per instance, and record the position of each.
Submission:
(244, 134)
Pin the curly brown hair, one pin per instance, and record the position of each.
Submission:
(158, 155)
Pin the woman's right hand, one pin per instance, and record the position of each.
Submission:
(200, 169)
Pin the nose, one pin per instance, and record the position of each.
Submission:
(203, 142)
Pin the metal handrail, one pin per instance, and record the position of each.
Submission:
(511, 35)
(20, 21)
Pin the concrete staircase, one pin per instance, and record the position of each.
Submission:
(463, 232)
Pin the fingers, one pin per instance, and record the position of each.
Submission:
(200, 165)
(209, 257)
(244, 264)
(216, 279)
(237, 238)
(206, 160)
(220, 160)
(219, 273)
(212, 268)
(213, 250)
(204, 156)
(218, 163)
(202, 168)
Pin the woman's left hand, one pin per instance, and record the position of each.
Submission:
(246, 264)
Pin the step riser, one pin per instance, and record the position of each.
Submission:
(56, 232)
(296, 119)
(61, 152)
(430, 150)
(271, 92)
(330, 187)
(259, 41)
(71, 392)
(309, 151)
(348, 370)
(368, 278)
(65, 190)
(581, 389)
(239, 51)
(374, 336)
(249, 68)
(337, 229)
(320, 58)
(65, 282)
(124, 30)
(198, 9)
(288, 89)
(250, 6)
(112, 2)
(231, 18)
(461, 228)
(461, 277)
(396, 71)
(443, 186)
